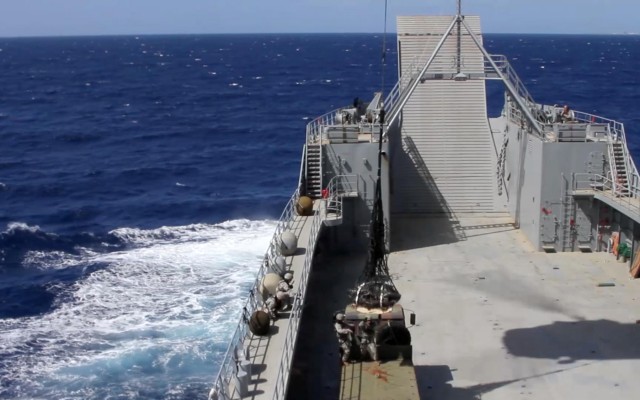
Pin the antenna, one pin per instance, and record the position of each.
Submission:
(384, 48)
(459, 75)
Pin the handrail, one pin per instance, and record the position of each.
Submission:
(600, 183)
(404, 80)
(502, 62)
(314, 128)
(408, 91)
(303, 170)
(613, 168)
(229, 365)
(338, 185)
(284, 369)
(616, 133)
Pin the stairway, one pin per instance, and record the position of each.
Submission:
(620, 171)
(314, 171)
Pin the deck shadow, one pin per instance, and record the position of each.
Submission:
(425, 194)
(434, 383)
(257, 369)
(273, 330)
(417, 231)
(570, 341)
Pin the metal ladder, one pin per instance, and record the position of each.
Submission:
(568, 217)
(314, 170)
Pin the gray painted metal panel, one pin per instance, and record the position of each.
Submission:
(531, 200)
(549, 225)
(559, 161)
(584, 221)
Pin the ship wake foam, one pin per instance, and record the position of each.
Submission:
(153, 322)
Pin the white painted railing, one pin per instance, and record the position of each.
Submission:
(628, 197)
(408, 74)
(229, 365)
(510, 73)
(291, 334)
(340, 186)
(314, 128)
(616, 134)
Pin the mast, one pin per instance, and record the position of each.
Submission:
(459, 21)
(459, 39)
(375, 288)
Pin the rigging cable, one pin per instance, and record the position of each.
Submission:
(384, 48)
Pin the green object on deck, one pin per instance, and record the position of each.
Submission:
(624, 250)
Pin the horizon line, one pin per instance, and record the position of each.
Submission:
(291, 33)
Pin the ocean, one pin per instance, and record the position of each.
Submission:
(141, 179)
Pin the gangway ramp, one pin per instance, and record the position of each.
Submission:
(448, 159)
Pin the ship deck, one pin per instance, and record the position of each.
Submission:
(499, 320)
(496, 319)
(265, 352)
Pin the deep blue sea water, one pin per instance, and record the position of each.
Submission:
(141, 178)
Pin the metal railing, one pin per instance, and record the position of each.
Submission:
(404, 82)
(616, 134)
(303, 170)
(338, 187)
(284, 369)
(229, 365)
(314, 128)
(407, 75)
(599, 183)
(510, 73)
(615, 131)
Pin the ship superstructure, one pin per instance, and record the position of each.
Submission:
(472, 206)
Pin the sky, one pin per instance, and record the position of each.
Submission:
(118, 17)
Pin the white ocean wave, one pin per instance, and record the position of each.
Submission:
(21, 226)
(167, 305)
